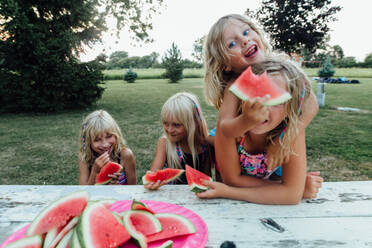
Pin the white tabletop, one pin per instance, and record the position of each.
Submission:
(341, 216)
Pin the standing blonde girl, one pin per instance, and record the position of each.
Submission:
(233, 44)
(101, 141)
(184, 140)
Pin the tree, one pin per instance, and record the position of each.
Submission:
(40, 42)
(327, 69)
(368, 60)
(294, 25)
(172, 62)
(198, 49)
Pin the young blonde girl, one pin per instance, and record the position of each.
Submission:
(101, 141)
(184, 140)
(273, 139)
(233, 44)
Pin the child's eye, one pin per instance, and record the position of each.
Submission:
(246, 32)
(177, 125)
(232, 44)
(109, 135)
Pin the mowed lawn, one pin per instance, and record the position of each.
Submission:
(42, 148)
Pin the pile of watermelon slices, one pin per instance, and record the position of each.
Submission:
(75, 221)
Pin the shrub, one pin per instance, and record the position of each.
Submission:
(130, 76)
(327, 69)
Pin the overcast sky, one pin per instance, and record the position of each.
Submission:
(184, 21)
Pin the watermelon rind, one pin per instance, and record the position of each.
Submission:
(166, 244)
(198, 188)
(65, 241)
(50, 236)
(34, 241)
(137, 205)
(167, 233)
(102, 172)
(71, 224)
(42, 219)
(237, 92)
(110, 226)
(145, 180)
(74, 240)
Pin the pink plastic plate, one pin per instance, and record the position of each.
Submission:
(196, 240)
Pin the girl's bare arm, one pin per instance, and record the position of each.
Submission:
(86, 178)
(129, 164)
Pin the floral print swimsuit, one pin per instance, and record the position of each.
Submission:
(255, 164)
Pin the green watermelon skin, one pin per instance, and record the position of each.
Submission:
(137, 205)
(98, 227)
(248, 86)
(195, 179)
(109, 169)
(167, 175)
(59, 213)
(173, 225)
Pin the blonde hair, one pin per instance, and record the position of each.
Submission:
(298, 85)
(216, 57)
(95, 124)
(184, 108)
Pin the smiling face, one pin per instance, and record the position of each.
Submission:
(103, 143)
(276, 113)
(243, 44)
(175, 131)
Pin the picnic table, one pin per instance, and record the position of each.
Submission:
(341, 216)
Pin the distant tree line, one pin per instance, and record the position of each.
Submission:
(121, 60)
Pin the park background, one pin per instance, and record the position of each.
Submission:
(41, 147)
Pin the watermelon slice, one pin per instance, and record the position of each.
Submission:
(51, 235)
(109, 169)
(173, 225)
(71, 224)
(35, 241)
(59, 213)
(65, 241)
(98, 227)
(249, 85)
(166, 175)
(137, 205)
(140, 224)
(195, 178)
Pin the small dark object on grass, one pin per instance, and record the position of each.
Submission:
(228, 244)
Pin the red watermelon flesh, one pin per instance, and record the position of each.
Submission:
(195, 179)
(248, 86)
(173, 225)
(99, 228)
(165, 175)
(59, 213)
(109, 169)
(35, 241)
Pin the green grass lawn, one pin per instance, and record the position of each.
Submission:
(42, 148)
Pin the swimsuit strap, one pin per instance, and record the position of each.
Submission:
(180, 153)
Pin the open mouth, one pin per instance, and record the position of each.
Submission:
(251, 51)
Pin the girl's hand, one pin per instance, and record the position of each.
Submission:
(312, 185)
(216, 190)
(103, 159)
(154, 186)
(115, 178)
(254, 110)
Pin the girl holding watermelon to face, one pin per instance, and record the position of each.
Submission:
(233, 44)
(101, 141)
(184, 140)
